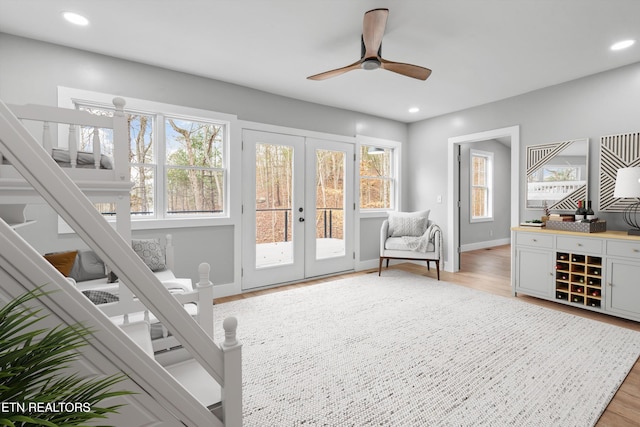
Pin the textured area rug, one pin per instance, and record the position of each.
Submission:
(406, 350)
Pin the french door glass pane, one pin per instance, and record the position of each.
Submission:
(274, 190)
(330, 179)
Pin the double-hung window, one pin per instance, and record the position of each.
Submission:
(178, 163)
(194, 167)
(481, 186)
(378, 174)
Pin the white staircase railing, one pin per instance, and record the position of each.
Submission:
(60, 192)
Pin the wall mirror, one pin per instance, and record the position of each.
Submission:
(557, 174)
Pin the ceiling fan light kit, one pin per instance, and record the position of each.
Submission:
(373, 27)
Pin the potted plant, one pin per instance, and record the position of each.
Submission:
(35, 386)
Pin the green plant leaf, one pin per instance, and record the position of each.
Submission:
(33, 364)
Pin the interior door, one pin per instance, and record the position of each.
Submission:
(297, 208)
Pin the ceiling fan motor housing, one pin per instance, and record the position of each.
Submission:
(370, 64)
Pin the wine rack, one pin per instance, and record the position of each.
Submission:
(579, 279)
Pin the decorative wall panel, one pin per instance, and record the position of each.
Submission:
(538, 155)
(557, 174)
(616, 151)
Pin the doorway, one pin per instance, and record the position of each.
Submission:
(453, 239)
(297, 221)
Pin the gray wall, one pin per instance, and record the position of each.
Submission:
(499, 228)
(211, 244)
(31, 71)
(602, 104)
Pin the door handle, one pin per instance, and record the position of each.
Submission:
(301, 219)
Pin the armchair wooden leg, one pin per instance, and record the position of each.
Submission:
(428, 264)
(380, 266)
(438, 268)
(387, 262)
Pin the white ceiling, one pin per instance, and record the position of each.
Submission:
(479, 50)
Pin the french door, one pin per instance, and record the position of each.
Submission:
(298, 209)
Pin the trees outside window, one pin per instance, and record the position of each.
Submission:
(194, 166)
(177, 165)
(377, 177)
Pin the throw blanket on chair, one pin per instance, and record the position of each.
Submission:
(421, 243)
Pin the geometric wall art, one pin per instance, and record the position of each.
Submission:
(538, 155)
(557, 174)
(616, 151)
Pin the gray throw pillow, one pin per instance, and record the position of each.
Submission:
(100, 297)
(151, 252)
(407, 226)
(87, 266)
(394, 219)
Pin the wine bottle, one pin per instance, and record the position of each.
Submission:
(590, 215)
(579, 215)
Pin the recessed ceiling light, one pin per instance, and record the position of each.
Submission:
(74, 18)
(414, 109)
(622, 44)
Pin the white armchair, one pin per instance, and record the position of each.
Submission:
(410, 236)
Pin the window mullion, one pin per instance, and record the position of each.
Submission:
(161, 168)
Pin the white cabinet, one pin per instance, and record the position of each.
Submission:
(533, 272)
(622, 284)
(532, 264)
(597, 271)
(623, 288)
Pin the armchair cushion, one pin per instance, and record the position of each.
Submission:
(408, 223)
(400, 244)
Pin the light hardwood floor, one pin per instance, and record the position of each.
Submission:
(489, 270)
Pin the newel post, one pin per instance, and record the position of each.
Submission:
(205, 299)
(232, 390)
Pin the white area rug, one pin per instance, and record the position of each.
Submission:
(406, 350)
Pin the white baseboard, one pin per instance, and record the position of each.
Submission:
(226, 289)
(367, 264)
(484, 245)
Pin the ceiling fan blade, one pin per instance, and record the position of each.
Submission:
(336, 72)
(372, 31)
(408, 70)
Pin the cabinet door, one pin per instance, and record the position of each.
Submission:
(623, 288)
(534, 275)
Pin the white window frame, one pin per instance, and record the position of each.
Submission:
(395, 174)
(489, 157)
(68, 97)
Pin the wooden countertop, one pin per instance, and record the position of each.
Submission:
(614, 234)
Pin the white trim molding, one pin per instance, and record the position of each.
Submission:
(452, 239)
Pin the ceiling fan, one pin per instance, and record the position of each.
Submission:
(372, 31)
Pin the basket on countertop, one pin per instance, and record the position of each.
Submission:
(581, 227)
